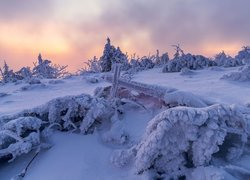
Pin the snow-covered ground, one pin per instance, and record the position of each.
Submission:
(76, 156)
(206, 83)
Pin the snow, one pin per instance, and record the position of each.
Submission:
(94, 156)
(206, 83)
(17, 100)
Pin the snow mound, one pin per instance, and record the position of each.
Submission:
(185, 72)
(242, 75)
(184, 137)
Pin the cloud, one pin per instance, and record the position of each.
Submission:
(24, 10)
(192, 23)
(140, 26)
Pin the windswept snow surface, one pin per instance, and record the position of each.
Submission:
(206, 83)
(38, 94)
(75, 156)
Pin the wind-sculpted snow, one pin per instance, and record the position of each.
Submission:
(242, 75)
(185, 137)
(22, 132)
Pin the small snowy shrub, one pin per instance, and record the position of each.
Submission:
(19, 136)
(25, 73)
(189, 61)
(45, 69)
(7, 75)
(92, 66)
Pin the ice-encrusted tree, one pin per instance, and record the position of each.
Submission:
(189, 61)
(112, 55)
(182, 60)
(164, 58)
(244, 54)
(93, 66)
(45, 69)
(7, 74)
(25, 73)
(224, 60)
(178, 51)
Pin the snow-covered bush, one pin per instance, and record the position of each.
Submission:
(25, 73)
(112, 55)
(22, 132)
(45, 69)
(184, 137)
(189, 61)
(224, 60)
(7, 75)
(242, 75)
(19, 136)
(186, 72)
(92, 66)
(244, 54)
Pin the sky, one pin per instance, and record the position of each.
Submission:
(71, 32)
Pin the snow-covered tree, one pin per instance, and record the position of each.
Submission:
(187, 61)
(112, 55)
(45, 69)
(92, 66)
(244, 54)
(25, 73)
(7, 75)
(178, 51)
(224, 60)
(164, 58)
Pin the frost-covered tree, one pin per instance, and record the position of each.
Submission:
(45, 69)
(112, 55)
(7, 74)
(178, 51)
(244, 54)
(92, 66)
(164, 59)
(224, 60)
(25, 73)
(187, 61)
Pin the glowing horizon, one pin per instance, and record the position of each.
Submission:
(69, 33)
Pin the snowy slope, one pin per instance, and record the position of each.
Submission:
(206, 83)
(18, 99)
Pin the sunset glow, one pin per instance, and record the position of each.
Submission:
(70, 32)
